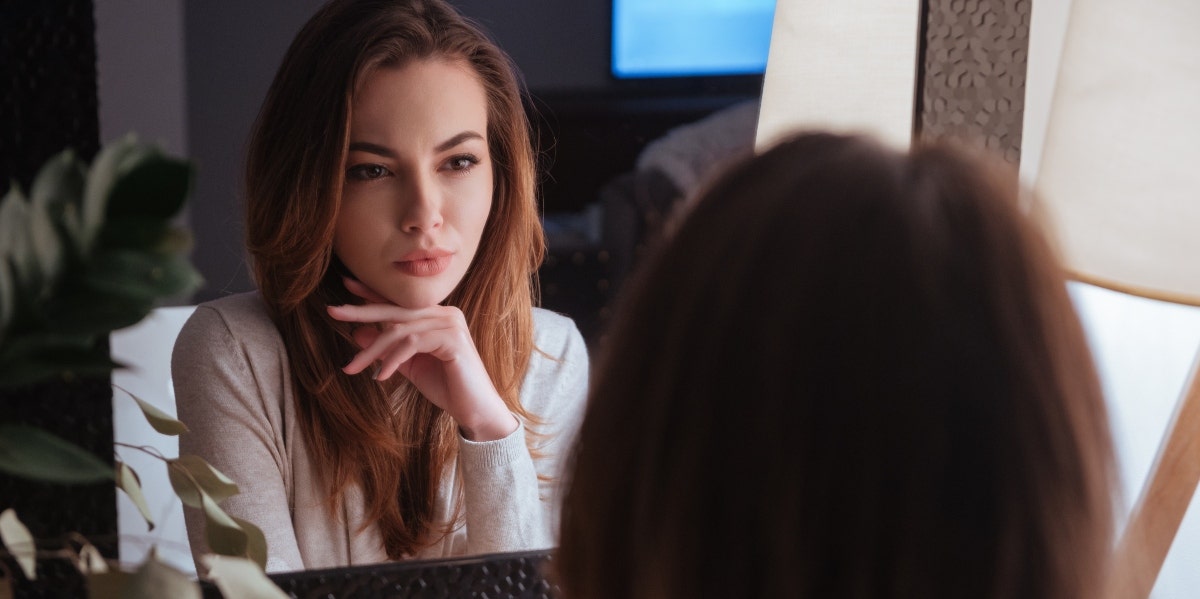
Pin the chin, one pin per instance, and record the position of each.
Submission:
(417, 299)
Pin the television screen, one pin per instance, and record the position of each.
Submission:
(680, 38)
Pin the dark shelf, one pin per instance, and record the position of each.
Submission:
(587, 139)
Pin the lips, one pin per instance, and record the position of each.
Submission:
(424, 263)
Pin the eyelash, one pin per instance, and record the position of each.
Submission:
(359, 172)
(471, 160)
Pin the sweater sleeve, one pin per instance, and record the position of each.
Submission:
(231, 404)
(506, 507)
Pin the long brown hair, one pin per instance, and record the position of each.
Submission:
(852, 373)
(397, 451)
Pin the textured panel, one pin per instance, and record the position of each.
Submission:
(500, 576)
(47, 84)
(48, 103)
(81, 412)
(973, 73)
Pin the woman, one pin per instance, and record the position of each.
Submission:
(389, 392)
(855, 373)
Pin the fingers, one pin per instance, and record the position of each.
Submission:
(398, 343)
(381, 313)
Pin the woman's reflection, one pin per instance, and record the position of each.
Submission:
(389, 391)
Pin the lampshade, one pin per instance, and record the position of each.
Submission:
(1119, 186)
(1119, 181)
(848, 66)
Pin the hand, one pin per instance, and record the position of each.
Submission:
(432, 348)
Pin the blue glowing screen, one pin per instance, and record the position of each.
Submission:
(678, 38)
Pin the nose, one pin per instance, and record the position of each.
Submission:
(421, 209)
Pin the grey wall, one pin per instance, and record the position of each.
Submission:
(559, 45)
(232, 50)
(140, 71)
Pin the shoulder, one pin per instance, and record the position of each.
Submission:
(230, 359)
(555, 334)
(236, 322)
(558, 368)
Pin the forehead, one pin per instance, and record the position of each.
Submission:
(426, 93)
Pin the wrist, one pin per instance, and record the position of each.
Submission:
(491, 425)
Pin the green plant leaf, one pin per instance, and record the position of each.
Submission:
(146, 234)
(141, 276)
(175, 241)
(90, 560)
(14, 220)
(101, 178)
(156, 185)
(134, 232)
(155, 580)
(8, 298)
(58, 190)
(224, 535)
(128, 481)
(58, 364)
(16, 245)
(47, 246)
(161, 421)
(112, 161)
(256, 542)
(240, 577)
(87, 311)
(40, 342)
(33, 453)
(19, 542)
(187, 472)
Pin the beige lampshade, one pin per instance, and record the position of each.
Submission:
(844, 65)
(1119, 180)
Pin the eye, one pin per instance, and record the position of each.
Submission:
(366, 172)
(463, 163)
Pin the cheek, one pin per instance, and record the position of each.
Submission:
(480, 213)
(483, 208)
(354, 228)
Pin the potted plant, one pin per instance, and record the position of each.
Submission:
(91, 250)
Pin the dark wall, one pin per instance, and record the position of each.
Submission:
(47, 85)
(233, 48)
(559, 46)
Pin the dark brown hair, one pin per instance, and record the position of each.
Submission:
(852, 373)
(294, 176)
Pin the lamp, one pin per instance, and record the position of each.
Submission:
(1119, 184)
(823, 74)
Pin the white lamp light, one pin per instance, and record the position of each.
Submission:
(1119, 183)
(847, 66)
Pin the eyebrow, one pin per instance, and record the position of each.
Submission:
(457, 139)
(366, 146)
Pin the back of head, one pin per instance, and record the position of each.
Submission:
(852, 373)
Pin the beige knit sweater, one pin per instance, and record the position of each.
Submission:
(234, 391)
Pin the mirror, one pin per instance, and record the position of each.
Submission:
(190, 76)
(231, 49)
(193, 75)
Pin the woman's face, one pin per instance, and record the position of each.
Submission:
(418, 181)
